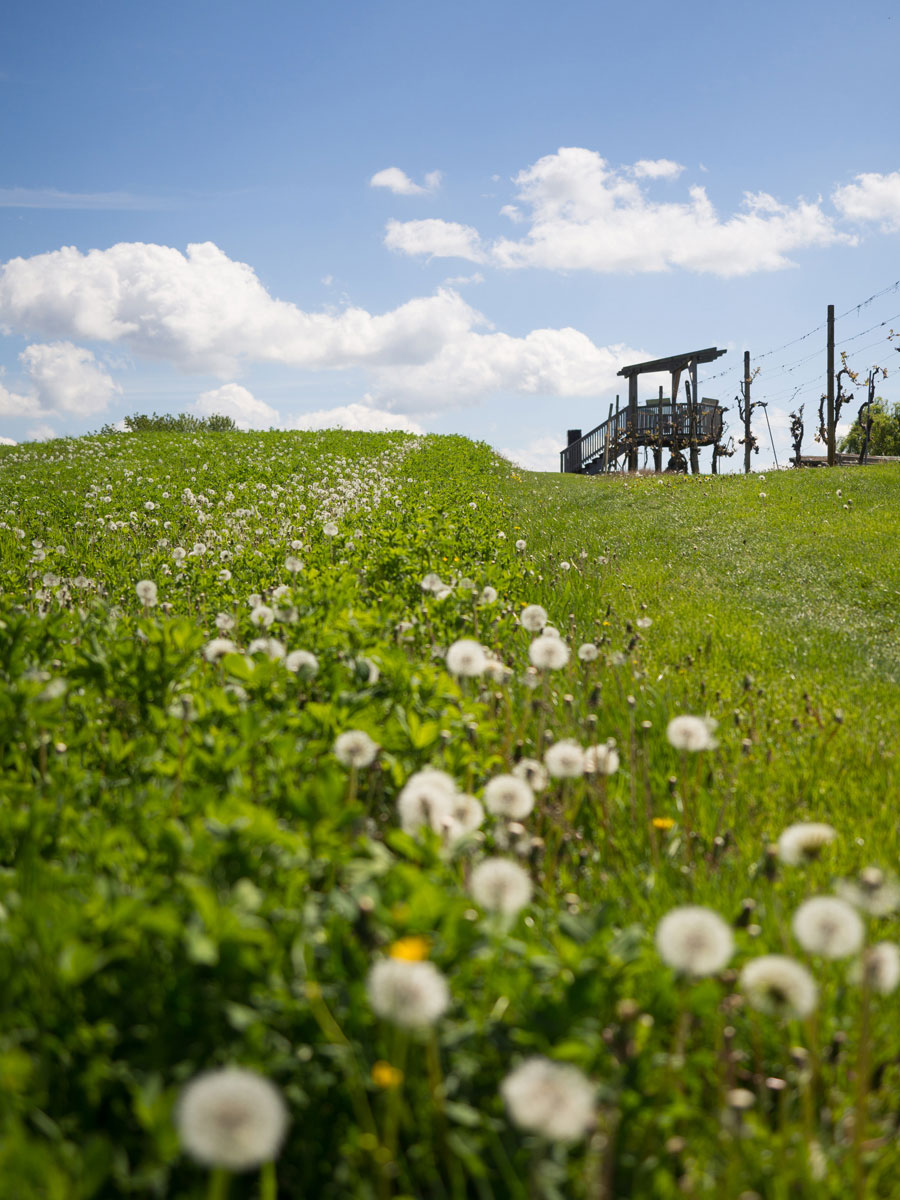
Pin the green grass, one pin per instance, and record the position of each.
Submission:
(189, 878)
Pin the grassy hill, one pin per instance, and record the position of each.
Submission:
(196, 872)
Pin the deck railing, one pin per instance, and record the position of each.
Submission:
(655, 423)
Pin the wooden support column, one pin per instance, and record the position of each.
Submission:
(609, 434)
(693, 415)
(632, 422)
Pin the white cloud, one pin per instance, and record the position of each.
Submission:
(204, 312)
(400, 184)
(355, 417)
(548, 362)
(5, 441)
(586, 215)
(232, 400)
(15, 404)
(41, 433)
(53, 198)
(872, 197)
(656, 168)
(67, 378)
(540, 454)
(439, 239)
(462, 280)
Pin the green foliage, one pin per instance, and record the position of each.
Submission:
(190, 878)
(170, 423)
(885, 434)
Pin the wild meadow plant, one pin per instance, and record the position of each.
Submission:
(381, 821)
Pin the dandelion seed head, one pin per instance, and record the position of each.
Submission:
(269, 646)
(694, 940)
(880, 966)
(521, 544)
(533, 618)
(330, 529)
(550, 1099)
(225, 622)
(146, 592)
(410, 994)
(588, 652)
(548, 653)
(302, 662)
(354, 748)
(602, 759)
(804, 841)
(217, 648)
(231, 1118)
(508, 796)
(467, 812)
(432, 583)
(565, 760)
(501, 886)
(779, 985)
(533, 772)
(466, 658)
(692, 733)
(489, 595)
(872, 892)
(828, 926)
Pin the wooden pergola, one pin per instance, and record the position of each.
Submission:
(657, 424)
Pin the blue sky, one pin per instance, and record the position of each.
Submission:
(460, 218)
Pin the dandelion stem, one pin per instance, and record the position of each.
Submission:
(863, 1073)
(268, 1183)
(219, 1180)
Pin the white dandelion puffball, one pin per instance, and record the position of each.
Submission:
(694, 940)
(601, 760)
(872, 892)
(489, 595)
(269, 646)
(302, 662)
(500, 886)
(802, 842)
(780, 985)
(881, 967)
(467, 812)
(426, 801)
(551, 631)
(218, 648)
(548, 653)
(828, 926)
(293, 564)
(521, 544)
(692, 733)
(330, 529)
(263, 616)
(411, 994)
(588, 652)
(549, 1098)
(508, 796)
(355, 748)
(565, 760)
(146, 592)
(432, 583)
(533, 618)
(466, 658)
(225, 622)
(231, 1118)
(533, 772)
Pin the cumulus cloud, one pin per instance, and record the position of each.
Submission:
(656, 168)
(41, 433)
(540, 454)
(548, 362)
(583, 214)
(356, 417)
(61, 378)
(872, 197)
(5, 441)
(202, 311)
(232, 400)
(400, 184)
(436, 238)
(67, 378)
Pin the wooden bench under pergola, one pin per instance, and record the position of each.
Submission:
(661, 424)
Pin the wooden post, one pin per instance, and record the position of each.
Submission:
(747, 436)
(573, 453)
(658, 451)
(831, 422)
(693, 401)
(609, 431)
(674, 448)
(632, 422)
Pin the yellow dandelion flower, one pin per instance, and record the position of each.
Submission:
(385, 1076)
(410, 949)
(663, 822)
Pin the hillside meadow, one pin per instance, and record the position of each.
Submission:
(348, 847)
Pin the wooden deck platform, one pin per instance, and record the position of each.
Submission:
(657, 424)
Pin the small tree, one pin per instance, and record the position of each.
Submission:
(884, 435)
(170, 423)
